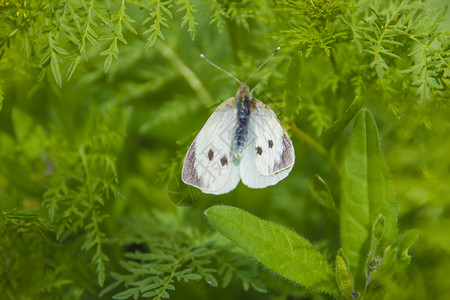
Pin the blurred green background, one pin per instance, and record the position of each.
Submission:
(92, 137)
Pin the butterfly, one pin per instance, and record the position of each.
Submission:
(242, 140)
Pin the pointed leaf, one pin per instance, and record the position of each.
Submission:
(278, 248)
(367, 192)
(376, 235)
(344, 277)
(133, 292)
(381, 272)
(320, 191)
(405, 241)
(54, 66)
(333, 132)
(75, 60)
(258, 286)
(210, 279)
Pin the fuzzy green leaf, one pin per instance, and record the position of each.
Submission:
(376, 235)
(344, 277)
(367, 192)
(405, 241)
(381, 272)
(278, 248)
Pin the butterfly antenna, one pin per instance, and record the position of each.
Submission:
(276, 50)
(214, 65)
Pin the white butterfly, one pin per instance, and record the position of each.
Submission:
(242, 139)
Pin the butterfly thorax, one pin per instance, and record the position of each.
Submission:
(244, 107)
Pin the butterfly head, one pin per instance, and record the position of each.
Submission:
(243, 92)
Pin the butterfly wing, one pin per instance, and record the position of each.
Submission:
(209, 164)
(268, 155)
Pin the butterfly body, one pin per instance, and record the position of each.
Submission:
(242, 139)
(243, 107)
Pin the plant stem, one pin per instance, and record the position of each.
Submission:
(186, 72)
(313, 144)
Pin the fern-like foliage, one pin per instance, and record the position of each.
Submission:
(188, 18)
(386, 33)
(120, 19)
(31, 232)
(393, 34)
(398, 46)
(219, 14)
(62, 30)
(162, 253)
(80, 184)
(431, 54)
(315, 25)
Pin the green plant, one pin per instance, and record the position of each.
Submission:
(372, 254)
(99, 101)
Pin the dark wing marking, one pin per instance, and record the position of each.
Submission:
(190, 174)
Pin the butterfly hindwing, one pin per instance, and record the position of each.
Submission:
(209, 164)
(250, 175)
(268, 155)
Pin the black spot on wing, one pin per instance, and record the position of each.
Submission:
(210, 154)
(270, 144)
(189, 174)
(259, 150)
(224, 161)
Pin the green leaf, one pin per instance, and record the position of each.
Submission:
(75, 60)
(333, 132)
(377, 233)
(210, 279)
(258, 286)
(293, 86)
(381, 272)
(107, 64)
(279, 249)
(378, 229)
(191, 277)
(344, 277)
(109, 288)
(320, 191)
(367, 192)
(54, 65)
(405, 241)
(133, 292)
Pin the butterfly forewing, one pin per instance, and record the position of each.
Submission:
(209, 164)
